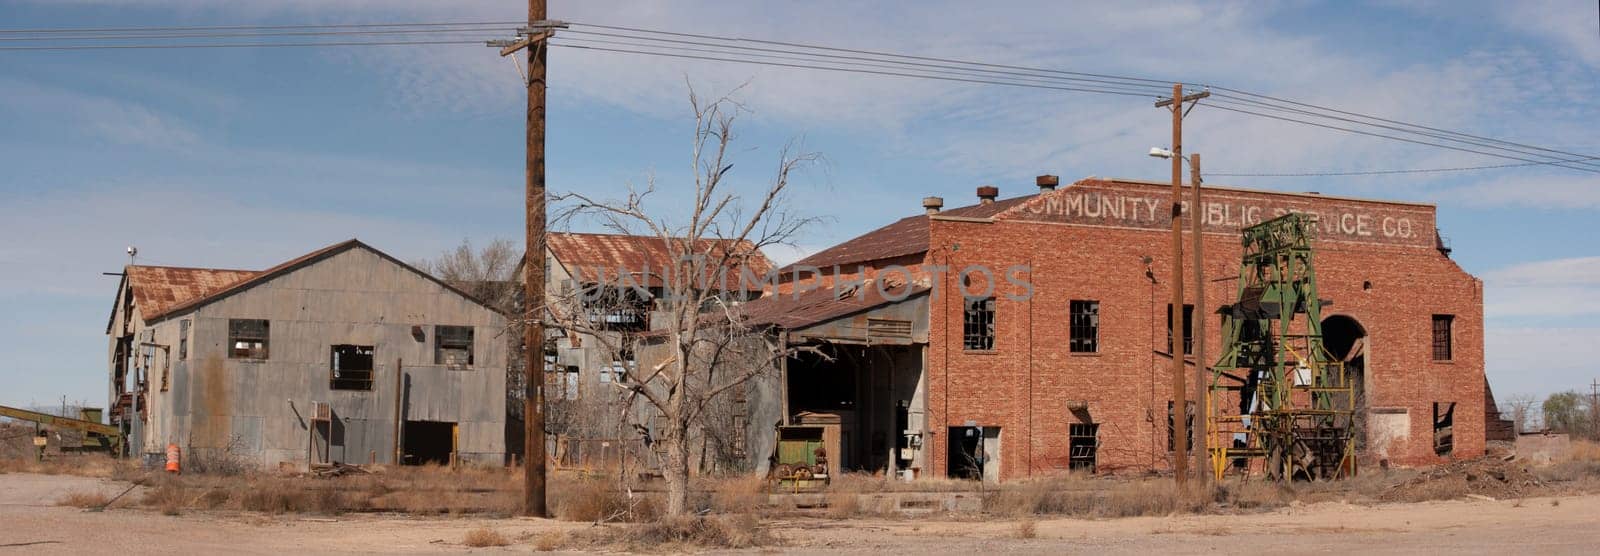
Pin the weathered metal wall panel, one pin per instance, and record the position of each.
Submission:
(353, 297)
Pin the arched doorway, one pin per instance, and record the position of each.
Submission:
(1346, 340)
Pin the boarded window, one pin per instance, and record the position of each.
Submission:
(183, 339)
(1083, 441)
(1084, 326)
(452, 346)
(978, 324)
(1188, 329)
(1442, 325)
(351, 367)
(247, 338)
(1188, 419)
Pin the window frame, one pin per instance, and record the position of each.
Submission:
(1188, 329)
(439, 346)
(978, 324)
(236, 330)
(1443, 341)
(355, 384)
(1086, 321)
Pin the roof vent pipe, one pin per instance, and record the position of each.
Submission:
(987, 194)
(932, 204)
(1047, 182)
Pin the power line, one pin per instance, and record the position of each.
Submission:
(1451, 147)
(237, 45)
(850, 70)
(1236, 101)
(943, 64)
(114, 36)
(1308, 105)
(946, 71)
(1451, 136)
(1381, 172)
(813, 57)
(252, 27)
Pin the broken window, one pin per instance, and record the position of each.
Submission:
(247, 338)
(1441, 336)
(452, 346)
(624, 309)
(1084, 326)
(183, 339)
(1188, 419)
(978, 324)
(562, 381)
(617, 371)
(1083, 441)
(1444, 428)
(351, 368)
(1188, 329)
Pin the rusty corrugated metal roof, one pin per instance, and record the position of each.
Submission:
(157, 289)
(791, 311)
(907, 236)
(256, 278)
(586, 256)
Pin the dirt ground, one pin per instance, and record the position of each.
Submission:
(31, 523)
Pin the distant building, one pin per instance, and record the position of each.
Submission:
(330, 357)
(586, 273)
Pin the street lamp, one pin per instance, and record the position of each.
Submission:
(1202, 372)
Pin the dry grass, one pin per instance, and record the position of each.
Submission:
(86, 465)
(550, 540)
(739, 494)
(84, 499)
(1027, 529)
(601, 501)
(483, 536)
(739, 531)
(844, 505)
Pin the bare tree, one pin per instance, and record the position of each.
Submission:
(489, 274)
(1520, 408)
(697, 349)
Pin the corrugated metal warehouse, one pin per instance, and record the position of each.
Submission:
(330, 357)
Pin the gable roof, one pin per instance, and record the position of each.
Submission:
(586, 256)
(906, 236)
(258, 278)
(157, 289)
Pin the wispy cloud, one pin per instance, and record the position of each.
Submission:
(106, 118)
(1551, 288)
(1561, 192)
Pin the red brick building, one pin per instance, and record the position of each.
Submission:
(1071, 346)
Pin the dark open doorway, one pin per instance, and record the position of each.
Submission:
(428, 442)
(1346, 340)
(965, 458)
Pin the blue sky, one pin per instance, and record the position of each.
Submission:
(244, 158)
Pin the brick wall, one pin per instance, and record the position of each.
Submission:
(1026, 383)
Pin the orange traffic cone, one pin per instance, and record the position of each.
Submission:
(173, 455)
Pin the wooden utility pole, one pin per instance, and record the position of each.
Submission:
(533, 39)
(1202, 373)
(1180, 403)
(533, 459)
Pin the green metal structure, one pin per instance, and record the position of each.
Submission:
(96, 435)
(1278, 403)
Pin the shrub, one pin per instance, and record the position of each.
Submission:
(481, 537)
(84, 499)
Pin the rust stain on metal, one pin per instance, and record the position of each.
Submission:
(587, 255)
(157, 289)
